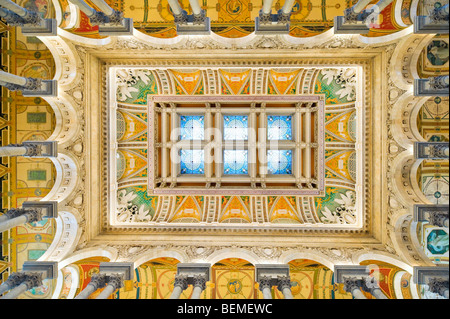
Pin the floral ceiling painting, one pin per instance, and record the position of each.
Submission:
(134, 86)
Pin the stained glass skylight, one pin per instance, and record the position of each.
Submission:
(192, 162)
(279, 127)
(235, 127)
(279, 162)
(192, 127)
(235, 162)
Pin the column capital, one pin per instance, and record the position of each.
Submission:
(12, 18)
(437, 218)
(283, 18)
(265, 282)
(199, 18)
(33, 279)
(15, 279)
(439, 82)
(434, 214)
(284, 282)
(438, 285)
(29, 18)
(352, 283)
(431, 150)
(116, 17)
(200, 281)
(432, 86)
(98, 18)
(32, 84)
(181, 281)
(38, 148)
(15, 212)
(439, 15)
(98, 280)
(265, 18)
(115, 280)
(350, 16)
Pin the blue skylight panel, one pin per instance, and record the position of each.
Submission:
(279, 127)
(235, 127)
(192, 162)
(279, 162)
(192, 127)
(235, 162)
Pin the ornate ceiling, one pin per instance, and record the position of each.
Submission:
(101, 120)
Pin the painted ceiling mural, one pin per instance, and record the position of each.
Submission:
(337, 206)
(21, 119)
(433, 176)
(25, 118)
(232, 278)
(235, 18)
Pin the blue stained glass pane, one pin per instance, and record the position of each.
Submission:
(192, 127)
(279, 127)
(235, 162)
(279, 162)
(235, 127)
(192, 162)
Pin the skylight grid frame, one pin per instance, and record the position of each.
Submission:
(257, 108)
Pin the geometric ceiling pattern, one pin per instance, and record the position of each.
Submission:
(339, 88)
(24, 118)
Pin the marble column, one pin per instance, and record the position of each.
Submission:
(439, 82)
(14, 82)
(29, 86)
(358, 13)
(439, 286)
(104, 7)
(29, 213)
(435, 277)
(284, 285)
(440, 14)
(18, 16)
(265, 14)
(97, 281)
(180, 284)
(13, 151)
(31, 280)
(18, 217)
(195, 6)
(265, 285)
(196, 274)
(438, 219)
(353, 285)
(196, 23)
(199, 15)
(371, 285)
(31, 149)
(31, 23)
(199, 283)
(432, 86)
(113, 282)
(95, 17)
(436, 215)
(431, 150)
(114, 16)
(357, 278)
(435, 22)
(32, 275)
(352, 14)
(284, 14)
(179, 15)
(14, 280)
